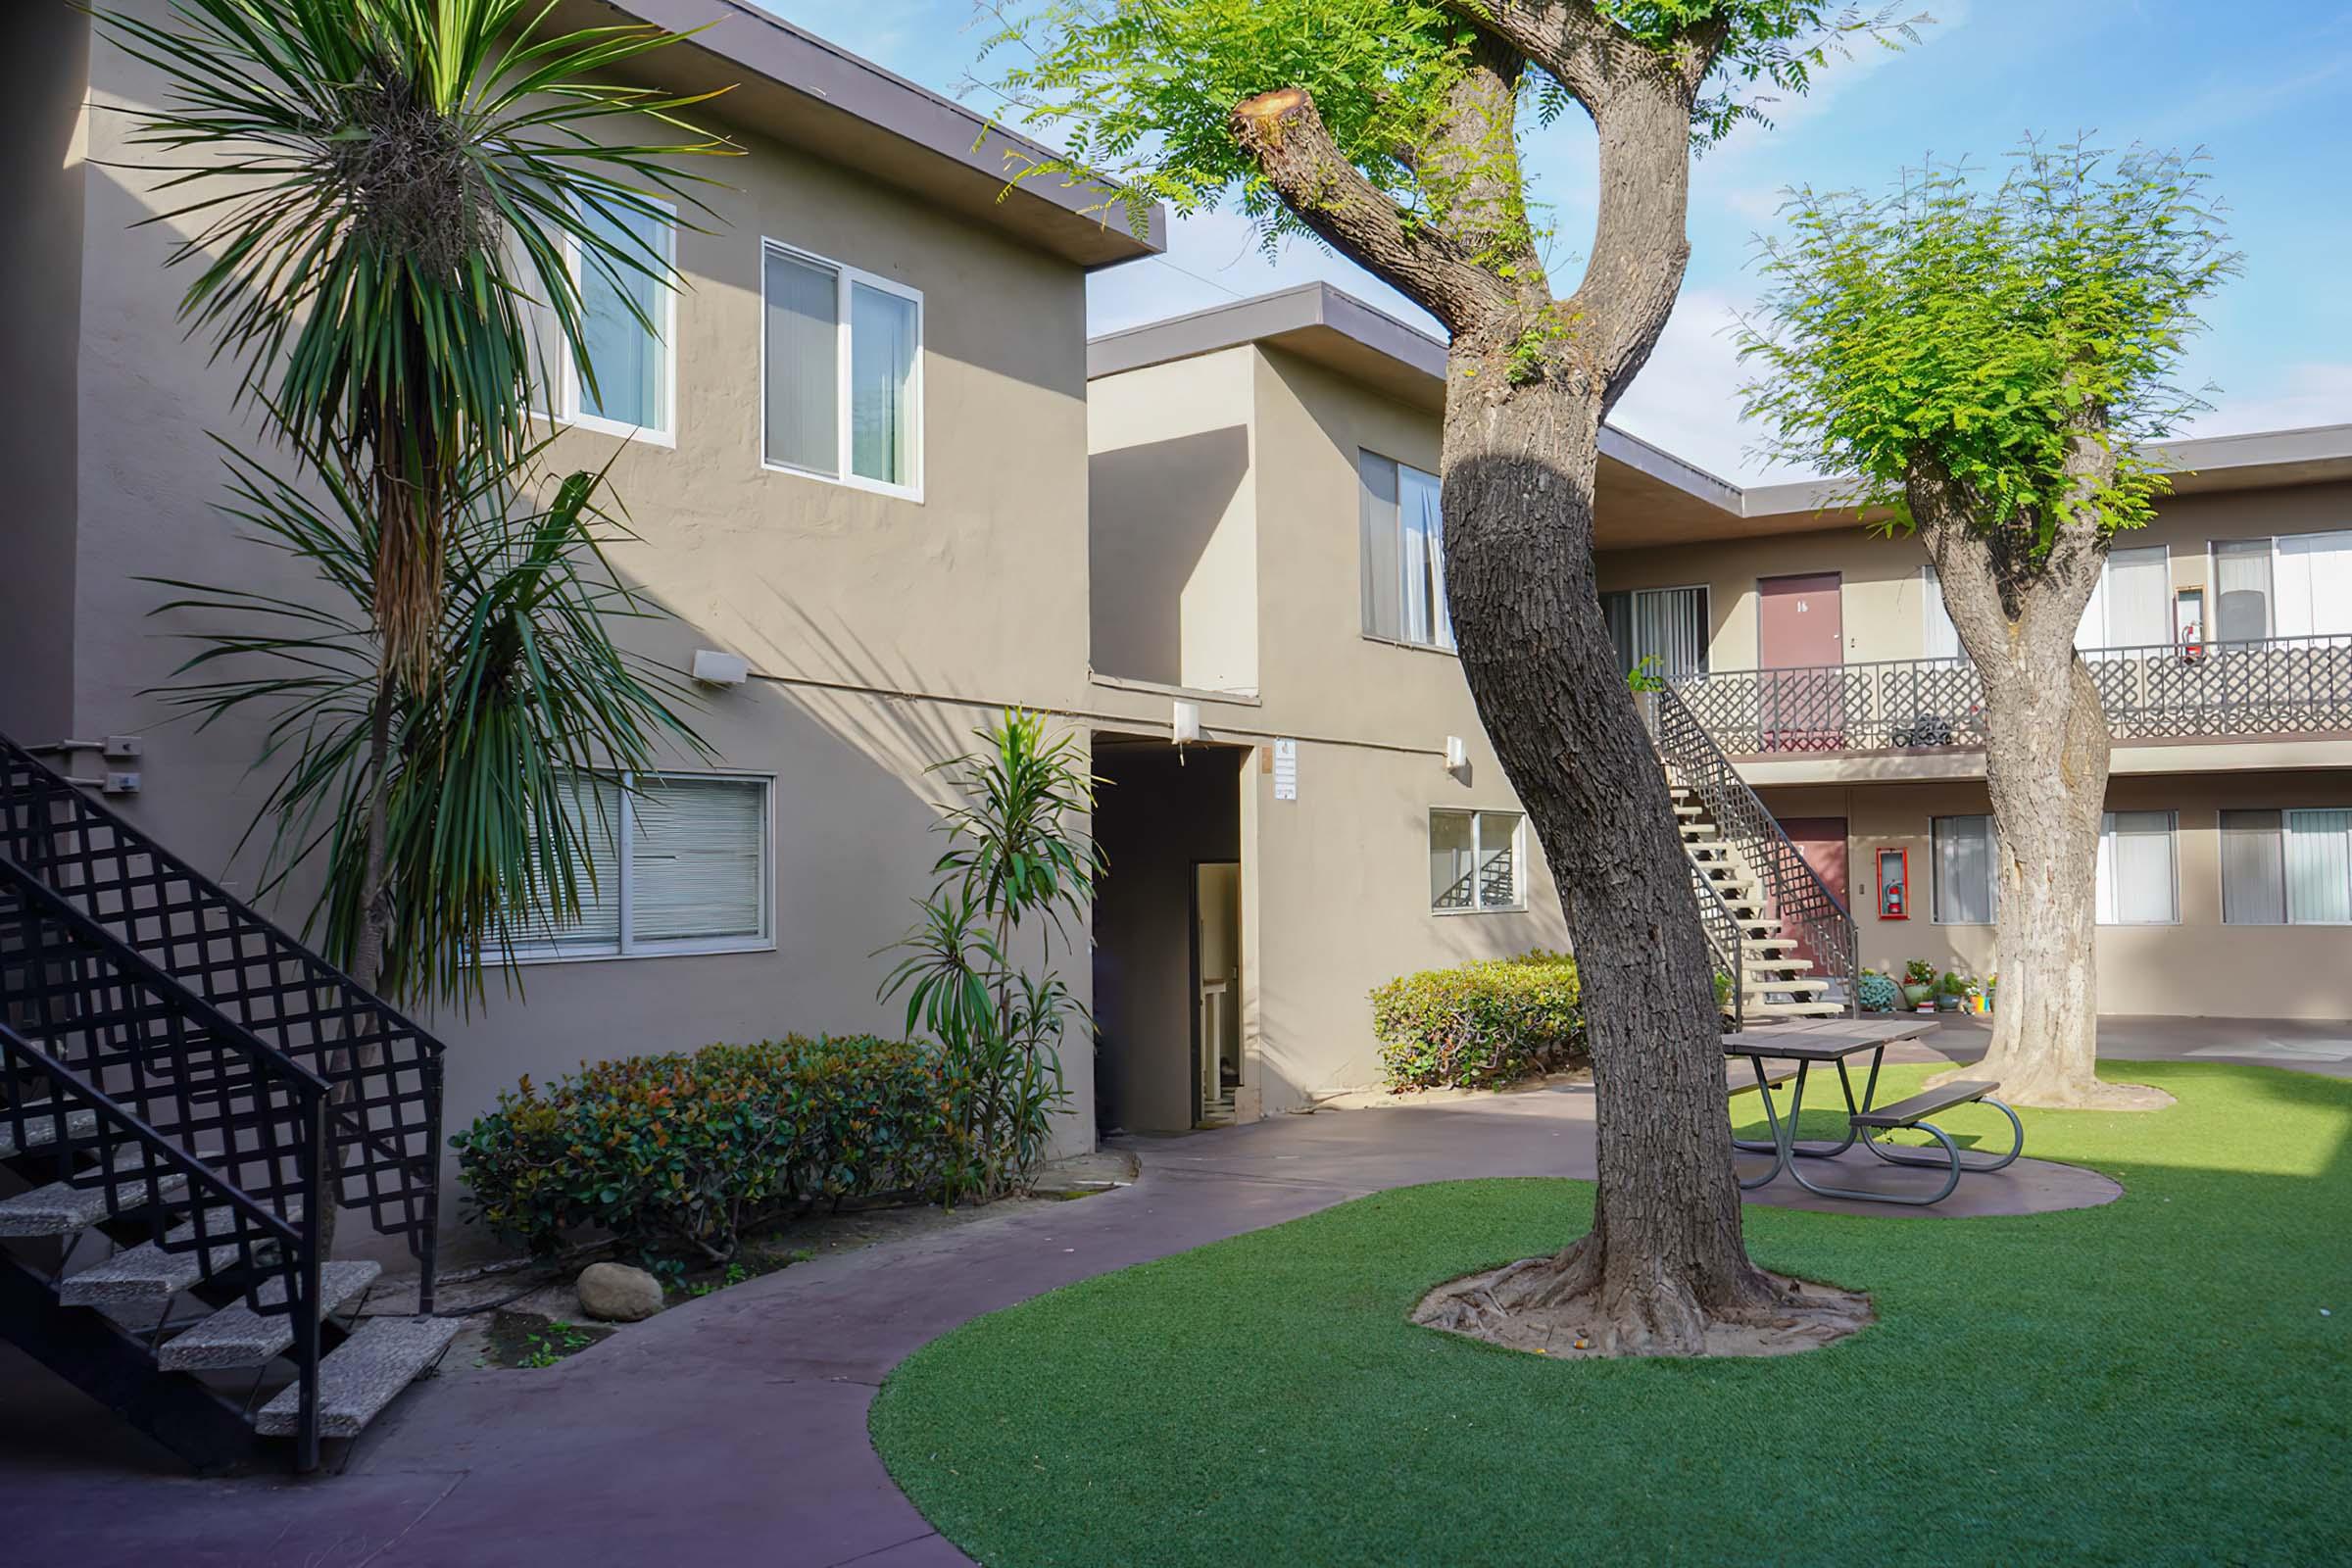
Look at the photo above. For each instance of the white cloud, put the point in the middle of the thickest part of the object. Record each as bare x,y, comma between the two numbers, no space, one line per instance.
2311,393
1686,399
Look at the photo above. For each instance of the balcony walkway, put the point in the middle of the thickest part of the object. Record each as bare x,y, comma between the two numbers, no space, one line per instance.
2278,687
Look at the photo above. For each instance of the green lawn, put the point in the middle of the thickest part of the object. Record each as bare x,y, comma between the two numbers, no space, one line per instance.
2153,1380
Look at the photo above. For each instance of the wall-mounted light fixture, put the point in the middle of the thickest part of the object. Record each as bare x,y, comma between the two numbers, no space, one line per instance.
715,668
1184,726
1458,754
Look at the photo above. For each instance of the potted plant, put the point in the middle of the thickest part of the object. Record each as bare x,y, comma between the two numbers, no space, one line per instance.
1918,985
1878,992
1949,992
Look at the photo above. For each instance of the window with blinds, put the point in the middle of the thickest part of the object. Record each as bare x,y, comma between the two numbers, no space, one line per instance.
1938,637
1474,862
2296,585
677,862
840,373
2137,878
1666,624
1403,554
2286,867
2133,605
1964,882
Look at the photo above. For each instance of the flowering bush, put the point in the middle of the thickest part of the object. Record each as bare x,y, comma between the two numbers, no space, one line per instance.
1481,1024
678,1154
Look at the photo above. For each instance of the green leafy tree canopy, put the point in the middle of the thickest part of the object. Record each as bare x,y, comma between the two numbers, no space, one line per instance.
1977,331
1141,90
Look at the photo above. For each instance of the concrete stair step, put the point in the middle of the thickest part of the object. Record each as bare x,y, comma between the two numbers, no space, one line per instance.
61,1209
1777,965
150,1274
238,1335
1796,990
358,1378
1795,1010
40,1128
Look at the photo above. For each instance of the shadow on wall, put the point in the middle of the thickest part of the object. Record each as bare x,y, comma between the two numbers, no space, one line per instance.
1154,509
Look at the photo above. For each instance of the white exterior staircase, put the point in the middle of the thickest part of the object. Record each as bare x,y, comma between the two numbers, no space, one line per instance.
1774,983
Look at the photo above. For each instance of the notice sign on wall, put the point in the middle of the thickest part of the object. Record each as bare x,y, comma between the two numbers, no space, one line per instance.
1286,770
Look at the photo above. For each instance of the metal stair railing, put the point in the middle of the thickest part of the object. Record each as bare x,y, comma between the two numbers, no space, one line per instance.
186,1110
1807,911
384,1073
1723,937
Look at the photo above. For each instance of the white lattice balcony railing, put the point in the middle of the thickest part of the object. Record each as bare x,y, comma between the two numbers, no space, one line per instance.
2273,687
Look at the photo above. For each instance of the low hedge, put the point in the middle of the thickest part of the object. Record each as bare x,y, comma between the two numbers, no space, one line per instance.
1482,1024
678,1154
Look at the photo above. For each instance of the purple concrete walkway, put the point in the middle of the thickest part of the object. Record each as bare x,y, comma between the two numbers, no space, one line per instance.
732,1430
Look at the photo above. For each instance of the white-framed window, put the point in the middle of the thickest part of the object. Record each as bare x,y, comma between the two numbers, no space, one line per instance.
1665,625
677,863
1938,637
2133,605
841,373
635,366
1475,862
1965,886
2295,585
2139,875
1403,554
2290,868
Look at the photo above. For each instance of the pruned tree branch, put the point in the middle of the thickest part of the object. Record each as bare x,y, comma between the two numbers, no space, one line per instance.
1295,152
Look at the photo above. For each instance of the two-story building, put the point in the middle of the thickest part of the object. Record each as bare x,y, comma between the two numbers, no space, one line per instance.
1817,654
854,457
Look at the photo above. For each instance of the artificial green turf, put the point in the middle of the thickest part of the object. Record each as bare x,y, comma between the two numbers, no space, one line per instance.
2151,1381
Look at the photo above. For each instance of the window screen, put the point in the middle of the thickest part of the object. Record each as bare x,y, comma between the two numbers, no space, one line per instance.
1964,883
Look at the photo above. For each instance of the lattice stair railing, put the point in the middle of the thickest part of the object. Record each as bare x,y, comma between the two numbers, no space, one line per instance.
1795,897
384,1073
124,1082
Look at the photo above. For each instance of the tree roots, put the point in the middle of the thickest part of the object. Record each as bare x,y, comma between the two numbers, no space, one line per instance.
1566,1304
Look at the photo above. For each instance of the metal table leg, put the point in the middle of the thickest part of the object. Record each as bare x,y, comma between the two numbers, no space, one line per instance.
1772,1119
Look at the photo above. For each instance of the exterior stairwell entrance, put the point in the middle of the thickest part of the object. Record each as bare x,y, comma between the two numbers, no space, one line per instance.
184,1092
1784,938
1169,985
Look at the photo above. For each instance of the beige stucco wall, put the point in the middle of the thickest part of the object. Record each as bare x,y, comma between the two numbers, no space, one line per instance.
1883,599
2198,968
1336,881
1174,535
880,630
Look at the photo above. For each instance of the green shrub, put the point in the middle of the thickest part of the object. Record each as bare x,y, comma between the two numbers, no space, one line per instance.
677,1155
1482,1024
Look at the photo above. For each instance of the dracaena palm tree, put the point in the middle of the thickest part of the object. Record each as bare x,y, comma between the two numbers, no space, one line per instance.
378,198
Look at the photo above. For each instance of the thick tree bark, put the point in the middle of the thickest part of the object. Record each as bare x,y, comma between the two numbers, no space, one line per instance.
1529,379
2046,754
1665,1255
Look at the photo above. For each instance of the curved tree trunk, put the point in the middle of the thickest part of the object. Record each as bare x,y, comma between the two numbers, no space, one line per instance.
2046,751
1665,1253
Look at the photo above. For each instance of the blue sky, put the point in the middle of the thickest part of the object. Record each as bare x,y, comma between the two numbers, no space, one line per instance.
2264,86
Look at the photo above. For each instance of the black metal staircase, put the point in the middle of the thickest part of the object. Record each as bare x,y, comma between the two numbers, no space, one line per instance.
182,1079
1786,939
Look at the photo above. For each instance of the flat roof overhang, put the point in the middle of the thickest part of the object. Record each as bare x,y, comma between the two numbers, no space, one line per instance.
1644,496
796,89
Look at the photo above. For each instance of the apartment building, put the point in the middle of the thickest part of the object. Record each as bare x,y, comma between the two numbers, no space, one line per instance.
855,459
1818,655
1266,582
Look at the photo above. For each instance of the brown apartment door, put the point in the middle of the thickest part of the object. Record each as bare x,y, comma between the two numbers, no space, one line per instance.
1821,841
1800,637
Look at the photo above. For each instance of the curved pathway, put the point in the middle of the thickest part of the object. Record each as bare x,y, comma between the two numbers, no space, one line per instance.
732,1429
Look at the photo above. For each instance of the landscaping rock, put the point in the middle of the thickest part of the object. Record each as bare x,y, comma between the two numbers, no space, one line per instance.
618,1294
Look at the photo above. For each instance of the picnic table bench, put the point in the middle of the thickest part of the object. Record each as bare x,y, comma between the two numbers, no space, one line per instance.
1767,1054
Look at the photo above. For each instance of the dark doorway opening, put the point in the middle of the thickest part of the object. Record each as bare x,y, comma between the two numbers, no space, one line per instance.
1168,940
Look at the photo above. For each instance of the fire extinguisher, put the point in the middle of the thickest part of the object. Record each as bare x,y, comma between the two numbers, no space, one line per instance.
2192,643
1894,902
